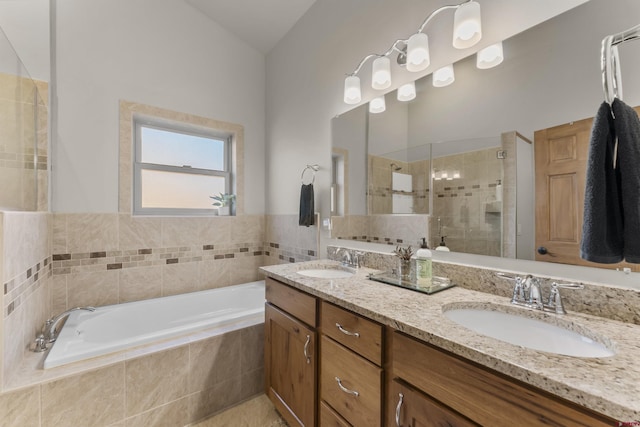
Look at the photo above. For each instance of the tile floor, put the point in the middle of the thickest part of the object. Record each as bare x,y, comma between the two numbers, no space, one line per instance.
257,412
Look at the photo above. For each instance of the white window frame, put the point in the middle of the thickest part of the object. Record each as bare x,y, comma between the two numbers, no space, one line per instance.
139,166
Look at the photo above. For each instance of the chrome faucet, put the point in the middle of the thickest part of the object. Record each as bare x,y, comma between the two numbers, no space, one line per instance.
349,258
527,292
49,330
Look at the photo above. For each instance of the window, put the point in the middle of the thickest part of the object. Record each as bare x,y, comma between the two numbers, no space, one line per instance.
178,167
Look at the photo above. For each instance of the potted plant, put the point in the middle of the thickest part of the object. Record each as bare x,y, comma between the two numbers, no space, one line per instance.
223,202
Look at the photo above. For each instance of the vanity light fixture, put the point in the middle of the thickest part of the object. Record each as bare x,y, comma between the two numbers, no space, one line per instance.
377,105
467,27
443,76
490,56
407,92
352,93
381,78
414,51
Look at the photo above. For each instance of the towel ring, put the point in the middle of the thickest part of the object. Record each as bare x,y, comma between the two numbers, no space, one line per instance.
314,169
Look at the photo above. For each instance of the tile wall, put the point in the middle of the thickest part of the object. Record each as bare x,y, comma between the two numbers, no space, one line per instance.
101,259
286,241
23,128
26,280
173,387
466,209
380,193
52,262
389,229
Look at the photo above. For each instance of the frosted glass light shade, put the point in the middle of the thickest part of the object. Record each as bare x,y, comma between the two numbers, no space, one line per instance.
381,77
490,56
377,105
443,76
467,27
352,93
407,92
418,52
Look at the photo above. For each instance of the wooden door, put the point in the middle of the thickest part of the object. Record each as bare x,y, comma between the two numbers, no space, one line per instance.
560,175
290,367
408,407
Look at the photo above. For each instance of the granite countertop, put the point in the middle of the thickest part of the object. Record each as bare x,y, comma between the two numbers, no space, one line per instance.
608,385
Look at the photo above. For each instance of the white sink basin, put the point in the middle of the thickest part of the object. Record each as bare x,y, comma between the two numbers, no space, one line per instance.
526,332
326,273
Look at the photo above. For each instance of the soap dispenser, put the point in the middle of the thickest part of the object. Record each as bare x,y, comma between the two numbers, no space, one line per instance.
423,267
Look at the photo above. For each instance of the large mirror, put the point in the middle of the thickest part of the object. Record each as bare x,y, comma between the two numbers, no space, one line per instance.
474,139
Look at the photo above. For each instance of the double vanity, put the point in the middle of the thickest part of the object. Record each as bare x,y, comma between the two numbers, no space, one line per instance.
343,350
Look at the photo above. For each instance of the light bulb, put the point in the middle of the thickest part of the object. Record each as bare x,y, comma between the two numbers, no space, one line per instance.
381,77
407,92
467,26
377,105
352,93
490,56
418,52
443,76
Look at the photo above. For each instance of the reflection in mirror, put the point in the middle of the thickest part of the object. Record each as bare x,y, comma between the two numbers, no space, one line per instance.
23,135
550,76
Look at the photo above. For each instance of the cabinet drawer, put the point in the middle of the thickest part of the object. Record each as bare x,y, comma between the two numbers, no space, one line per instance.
409,407
486,397
353,331
291,300
330,418
356,375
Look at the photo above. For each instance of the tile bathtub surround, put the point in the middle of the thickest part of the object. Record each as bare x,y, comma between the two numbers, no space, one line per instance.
615,303
25,266
101,259
176,386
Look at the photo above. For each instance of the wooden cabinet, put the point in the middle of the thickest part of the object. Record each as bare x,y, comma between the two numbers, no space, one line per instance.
351,376
408,407
291,354
352,371
484,396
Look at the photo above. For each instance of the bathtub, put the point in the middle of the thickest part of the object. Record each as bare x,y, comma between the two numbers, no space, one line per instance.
122,326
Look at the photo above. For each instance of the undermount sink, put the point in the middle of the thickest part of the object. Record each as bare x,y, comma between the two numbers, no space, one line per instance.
326,273
527,332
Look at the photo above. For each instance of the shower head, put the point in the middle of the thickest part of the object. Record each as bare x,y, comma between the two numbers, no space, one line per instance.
395,167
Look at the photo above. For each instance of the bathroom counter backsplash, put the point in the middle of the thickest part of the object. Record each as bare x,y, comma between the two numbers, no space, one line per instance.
608,385
612,302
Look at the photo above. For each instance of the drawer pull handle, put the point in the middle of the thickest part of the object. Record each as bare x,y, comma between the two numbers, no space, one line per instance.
346,390
306,349
344,331
398,409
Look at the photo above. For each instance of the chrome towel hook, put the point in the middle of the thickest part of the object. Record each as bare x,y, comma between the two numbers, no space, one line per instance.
313,169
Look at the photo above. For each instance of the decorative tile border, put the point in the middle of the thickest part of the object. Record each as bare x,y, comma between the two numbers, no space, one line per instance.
20,287
115,260
289,253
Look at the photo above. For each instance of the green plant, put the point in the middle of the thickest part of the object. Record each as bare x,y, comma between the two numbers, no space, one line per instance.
403,253
223,199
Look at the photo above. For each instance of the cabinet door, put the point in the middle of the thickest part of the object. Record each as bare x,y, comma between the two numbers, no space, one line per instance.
290,367
410,408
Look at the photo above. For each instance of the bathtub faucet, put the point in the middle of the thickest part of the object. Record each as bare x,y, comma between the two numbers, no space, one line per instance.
49,331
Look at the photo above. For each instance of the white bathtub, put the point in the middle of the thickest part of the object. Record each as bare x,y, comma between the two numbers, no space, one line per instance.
118,327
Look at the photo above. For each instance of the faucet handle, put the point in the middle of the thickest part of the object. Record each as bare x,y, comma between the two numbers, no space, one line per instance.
555,300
